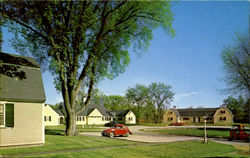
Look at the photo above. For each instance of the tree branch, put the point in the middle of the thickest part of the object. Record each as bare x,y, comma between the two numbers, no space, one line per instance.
26,26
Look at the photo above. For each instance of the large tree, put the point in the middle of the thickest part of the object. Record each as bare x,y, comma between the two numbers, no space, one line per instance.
137,97
82,42
159,95
236,60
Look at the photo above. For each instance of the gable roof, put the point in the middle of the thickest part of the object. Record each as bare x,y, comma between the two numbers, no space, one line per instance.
195,112
119,112
91,107
20,79
59,112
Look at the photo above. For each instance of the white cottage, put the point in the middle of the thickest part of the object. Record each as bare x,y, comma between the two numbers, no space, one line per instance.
22,100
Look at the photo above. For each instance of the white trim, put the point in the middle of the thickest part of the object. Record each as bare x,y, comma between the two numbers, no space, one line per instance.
4,114
4,104
43,124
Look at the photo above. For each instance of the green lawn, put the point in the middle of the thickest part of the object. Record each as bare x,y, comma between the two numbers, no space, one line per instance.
61,142
194,132
80,128
153,124
177,149
56,141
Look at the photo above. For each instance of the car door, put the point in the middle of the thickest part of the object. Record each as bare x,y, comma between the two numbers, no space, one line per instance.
118,130
124,130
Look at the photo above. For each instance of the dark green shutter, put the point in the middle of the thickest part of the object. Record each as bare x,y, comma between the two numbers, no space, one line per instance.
9,115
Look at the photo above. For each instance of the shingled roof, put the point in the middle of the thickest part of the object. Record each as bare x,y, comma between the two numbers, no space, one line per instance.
91,107
120,112
59,112
20,79
196,112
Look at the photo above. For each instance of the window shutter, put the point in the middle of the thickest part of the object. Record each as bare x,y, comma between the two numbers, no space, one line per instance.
9,117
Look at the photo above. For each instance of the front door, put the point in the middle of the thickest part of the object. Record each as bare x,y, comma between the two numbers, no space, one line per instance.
194,119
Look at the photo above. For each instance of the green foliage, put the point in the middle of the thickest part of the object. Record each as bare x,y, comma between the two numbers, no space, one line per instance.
83,42
116,102
151,101
159,96
239,108
137,97
236,60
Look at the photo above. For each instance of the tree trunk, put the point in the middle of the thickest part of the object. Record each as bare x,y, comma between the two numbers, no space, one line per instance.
71,125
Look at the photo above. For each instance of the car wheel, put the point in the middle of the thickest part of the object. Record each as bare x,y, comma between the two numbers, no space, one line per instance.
127,134
111,134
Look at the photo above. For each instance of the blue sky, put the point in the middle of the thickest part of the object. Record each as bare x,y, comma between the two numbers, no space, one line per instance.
189,62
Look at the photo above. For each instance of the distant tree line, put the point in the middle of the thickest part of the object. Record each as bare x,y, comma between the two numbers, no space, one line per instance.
239,108
147,102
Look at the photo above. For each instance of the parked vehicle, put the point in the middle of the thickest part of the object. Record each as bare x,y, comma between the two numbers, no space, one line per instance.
117,130
239,132
177,123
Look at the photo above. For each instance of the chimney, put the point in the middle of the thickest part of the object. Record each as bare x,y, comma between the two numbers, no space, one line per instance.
175,107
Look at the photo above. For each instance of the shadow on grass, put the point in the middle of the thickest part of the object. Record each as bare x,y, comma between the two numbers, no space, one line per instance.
54,132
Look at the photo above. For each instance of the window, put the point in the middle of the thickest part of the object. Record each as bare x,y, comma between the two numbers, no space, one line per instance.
170,119
1,114
7,115
223,118
50,118
222,111
169,113
79,118
45,118
185,118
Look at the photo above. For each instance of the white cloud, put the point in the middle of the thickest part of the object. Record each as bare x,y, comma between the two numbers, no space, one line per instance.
182,95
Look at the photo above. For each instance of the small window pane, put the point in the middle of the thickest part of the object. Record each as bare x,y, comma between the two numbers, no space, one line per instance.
9,115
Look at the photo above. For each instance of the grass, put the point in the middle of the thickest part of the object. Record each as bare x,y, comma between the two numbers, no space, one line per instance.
176,149
80,128
153,124
212,133
56,141
61,142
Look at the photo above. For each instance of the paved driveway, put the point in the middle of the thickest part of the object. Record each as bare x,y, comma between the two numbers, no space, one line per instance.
147,136
156,137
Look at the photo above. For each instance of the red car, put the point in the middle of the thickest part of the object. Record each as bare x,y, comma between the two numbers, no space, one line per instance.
117,130
177,124
239,132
